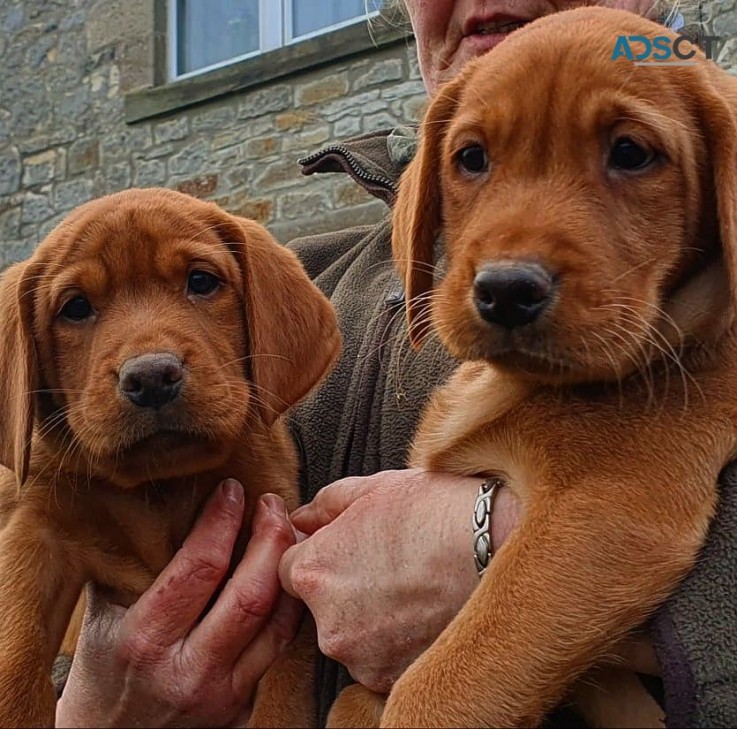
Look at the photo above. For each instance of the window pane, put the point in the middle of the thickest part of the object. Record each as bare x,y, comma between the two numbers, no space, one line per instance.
211,31
309,15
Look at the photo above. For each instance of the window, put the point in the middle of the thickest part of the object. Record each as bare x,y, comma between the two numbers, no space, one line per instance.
206,34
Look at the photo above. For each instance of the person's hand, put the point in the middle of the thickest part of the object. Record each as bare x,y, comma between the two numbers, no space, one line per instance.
160,662
388,565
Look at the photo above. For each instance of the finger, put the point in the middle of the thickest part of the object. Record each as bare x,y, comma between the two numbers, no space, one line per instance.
290,567
264,649
330,502
166,612
247,601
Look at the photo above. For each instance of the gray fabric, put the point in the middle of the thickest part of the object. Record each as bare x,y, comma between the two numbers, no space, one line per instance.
362,418
696,631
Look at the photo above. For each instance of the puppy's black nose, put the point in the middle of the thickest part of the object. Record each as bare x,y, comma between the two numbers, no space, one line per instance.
512,294
151,380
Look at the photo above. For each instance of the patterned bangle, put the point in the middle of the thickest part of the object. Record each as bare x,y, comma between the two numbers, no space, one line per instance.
483,549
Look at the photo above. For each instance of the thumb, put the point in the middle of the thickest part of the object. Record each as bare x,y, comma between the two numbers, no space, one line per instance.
330,502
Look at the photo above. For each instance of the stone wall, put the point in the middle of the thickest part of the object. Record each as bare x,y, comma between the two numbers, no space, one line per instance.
63,138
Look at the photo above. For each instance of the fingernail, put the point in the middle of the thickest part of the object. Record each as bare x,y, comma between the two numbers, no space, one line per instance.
275,504
233,491
298,511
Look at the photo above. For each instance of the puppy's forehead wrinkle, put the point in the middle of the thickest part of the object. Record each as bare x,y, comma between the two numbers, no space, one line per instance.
100,256
529,81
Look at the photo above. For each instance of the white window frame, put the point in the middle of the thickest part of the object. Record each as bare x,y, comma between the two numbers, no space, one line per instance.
275,23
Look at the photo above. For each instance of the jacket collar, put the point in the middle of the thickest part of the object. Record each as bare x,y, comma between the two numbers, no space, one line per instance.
375,161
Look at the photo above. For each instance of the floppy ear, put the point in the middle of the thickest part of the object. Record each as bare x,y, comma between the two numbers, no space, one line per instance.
417,215
18,369
293,332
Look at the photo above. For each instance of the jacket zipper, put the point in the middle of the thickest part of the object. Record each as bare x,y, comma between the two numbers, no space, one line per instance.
356,168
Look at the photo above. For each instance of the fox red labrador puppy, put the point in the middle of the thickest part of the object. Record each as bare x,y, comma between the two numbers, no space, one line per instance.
588,209
150,345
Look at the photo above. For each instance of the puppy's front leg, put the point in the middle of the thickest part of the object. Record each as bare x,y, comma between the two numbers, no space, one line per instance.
40,586
579,572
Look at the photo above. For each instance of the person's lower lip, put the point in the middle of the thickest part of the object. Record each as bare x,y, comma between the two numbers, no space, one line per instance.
479,43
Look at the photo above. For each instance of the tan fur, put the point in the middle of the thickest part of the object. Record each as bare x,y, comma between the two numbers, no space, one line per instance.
356,707
612,415
105,491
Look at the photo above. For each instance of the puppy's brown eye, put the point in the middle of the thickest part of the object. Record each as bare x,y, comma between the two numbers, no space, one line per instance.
472,159
626,154
202,283
77,309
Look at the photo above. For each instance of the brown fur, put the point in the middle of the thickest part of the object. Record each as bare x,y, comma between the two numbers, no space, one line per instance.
612,415
101,490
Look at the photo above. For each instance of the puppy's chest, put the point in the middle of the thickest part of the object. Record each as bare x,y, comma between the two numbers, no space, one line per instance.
122,539
546,437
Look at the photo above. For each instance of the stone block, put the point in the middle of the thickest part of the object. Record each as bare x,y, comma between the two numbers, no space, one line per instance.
213,119
265,101
161,150
381,72
307,140
347,193
110,21
43,167
234,176
190,160
295,205
149,173
367,214
261,147
37,207
119,143
201,187
348,126
329,86
171,130
279,174
295,119
367,102
73,105
399,91
84,154
58,135
10,170
10,224
241,203
118,177
241,132
376,122
68,195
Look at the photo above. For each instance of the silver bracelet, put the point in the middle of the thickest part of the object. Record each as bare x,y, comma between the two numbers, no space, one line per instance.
482,545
